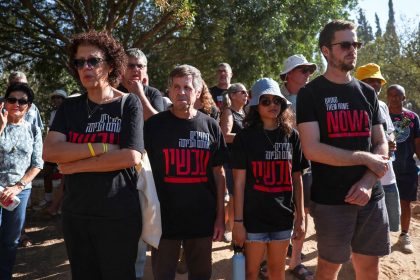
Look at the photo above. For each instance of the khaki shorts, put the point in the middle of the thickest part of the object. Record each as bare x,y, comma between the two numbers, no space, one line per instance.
343,229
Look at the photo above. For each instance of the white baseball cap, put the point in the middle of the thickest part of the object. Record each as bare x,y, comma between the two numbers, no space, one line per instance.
294,61
59,92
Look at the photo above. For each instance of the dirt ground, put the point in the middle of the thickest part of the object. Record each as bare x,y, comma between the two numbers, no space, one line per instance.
47,259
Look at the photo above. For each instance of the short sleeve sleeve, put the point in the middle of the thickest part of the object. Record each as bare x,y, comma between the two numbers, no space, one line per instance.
238,151
132,125
305,110
299,162
220,152
36,158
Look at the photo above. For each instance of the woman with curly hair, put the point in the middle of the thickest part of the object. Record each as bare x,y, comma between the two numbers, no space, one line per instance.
205,103
267,165
97,139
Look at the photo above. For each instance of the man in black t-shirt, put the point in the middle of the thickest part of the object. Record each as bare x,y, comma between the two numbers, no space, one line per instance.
135,80
342,134
187,151
224,75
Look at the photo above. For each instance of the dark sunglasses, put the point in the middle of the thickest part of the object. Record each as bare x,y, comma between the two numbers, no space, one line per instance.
346,45
13,100
267,102
91,62
305,70
133,66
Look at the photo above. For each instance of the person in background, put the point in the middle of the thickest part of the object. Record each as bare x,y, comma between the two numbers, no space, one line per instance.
268,182
20,162
205,103
50,169
295,75
347,161
136,80
33,115
187,152
407,130
371,74
231,123
97,139
223,75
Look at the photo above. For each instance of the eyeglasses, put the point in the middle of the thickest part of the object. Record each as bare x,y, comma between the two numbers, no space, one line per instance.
13,100
345,45
133,66
244,92
267,102
305,70
91,62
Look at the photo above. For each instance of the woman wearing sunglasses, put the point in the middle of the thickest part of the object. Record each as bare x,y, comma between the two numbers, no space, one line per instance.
231,123
267,166
20,162
97,139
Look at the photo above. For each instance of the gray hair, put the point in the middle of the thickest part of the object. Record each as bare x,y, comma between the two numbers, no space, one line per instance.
187,70
226,65
397,88
137,53
17,75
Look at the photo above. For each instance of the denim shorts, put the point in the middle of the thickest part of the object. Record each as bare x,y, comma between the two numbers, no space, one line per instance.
266,237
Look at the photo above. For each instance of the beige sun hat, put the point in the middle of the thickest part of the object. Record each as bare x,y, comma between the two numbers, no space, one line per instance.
294,61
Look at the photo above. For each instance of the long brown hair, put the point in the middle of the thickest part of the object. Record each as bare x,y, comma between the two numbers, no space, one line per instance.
285,119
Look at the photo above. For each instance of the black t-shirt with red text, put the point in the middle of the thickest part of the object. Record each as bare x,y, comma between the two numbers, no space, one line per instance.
110,194
269,158
182,154
345,114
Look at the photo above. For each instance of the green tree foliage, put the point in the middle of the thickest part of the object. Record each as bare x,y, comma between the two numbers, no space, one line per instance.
364,30
254,36
392,48
378,32
402,68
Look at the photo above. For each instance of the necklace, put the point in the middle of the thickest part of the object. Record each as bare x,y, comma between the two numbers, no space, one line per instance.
97,106
269,140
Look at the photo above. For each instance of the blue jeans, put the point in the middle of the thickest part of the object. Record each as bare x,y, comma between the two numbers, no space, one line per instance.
141,258
11,224
392,201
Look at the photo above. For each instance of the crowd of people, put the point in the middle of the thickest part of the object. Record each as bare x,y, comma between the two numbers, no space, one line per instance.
243,166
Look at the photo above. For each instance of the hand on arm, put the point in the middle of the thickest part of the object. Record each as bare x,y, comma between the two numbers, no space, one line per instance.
57,149
361,191
219,224
111,161
239,232
314,150
299,222
136,87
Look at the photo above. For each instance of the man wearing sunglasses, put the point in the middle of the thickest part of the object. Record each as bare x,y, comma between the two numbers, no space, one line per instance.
135,80
341,132
295,75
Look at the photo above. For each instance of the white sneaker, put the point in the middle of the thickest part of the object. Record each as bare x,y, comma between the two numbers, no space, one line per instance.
405,242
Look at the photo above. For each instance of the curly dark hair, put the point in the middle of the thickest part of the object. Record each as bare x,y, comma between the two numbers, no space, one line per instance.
112,49
206,99
285,119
